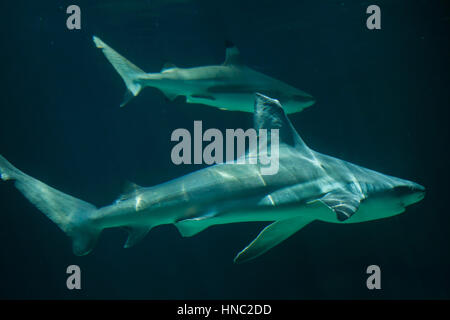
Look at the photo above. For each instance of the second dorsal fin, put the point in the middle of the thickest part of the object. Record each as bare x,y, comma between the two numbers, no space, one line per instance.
130,187
129,191
232,55
168,66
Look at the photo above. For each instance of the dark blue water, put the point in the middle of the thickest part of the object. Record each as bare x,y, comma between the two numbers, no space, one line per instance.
382,102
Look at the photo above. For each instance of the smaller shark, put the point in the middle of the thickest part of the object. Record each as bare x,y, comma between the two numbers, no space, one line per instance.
230,86
308,186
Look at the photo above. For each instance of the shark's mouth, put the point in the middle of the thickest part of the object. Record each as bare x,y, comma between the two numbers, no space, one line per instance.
410,194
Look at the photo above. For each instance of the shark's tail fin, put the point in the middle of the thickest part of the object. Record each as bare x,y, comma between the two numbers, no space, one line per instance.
72,215
130,73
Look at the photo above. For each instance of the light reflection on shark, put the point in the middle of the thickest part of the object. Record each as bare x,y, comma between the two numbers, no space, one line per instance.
230,86
309,186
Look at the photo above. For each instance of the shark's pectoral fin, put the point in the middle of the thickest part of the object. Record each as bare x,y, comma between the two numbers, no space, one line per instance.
135,235
271,236
343,203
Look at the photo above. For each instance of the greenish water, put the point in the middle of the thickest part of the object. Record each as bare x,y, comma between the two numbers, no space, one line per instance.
382,102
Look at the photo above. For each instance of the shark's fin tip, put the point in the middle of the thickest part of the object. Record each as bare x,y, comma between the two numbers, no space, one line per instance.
98,42
229,44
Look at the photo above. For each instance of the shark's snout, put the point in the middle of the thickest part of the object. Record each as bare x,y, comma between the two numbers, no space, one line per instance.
305,99
411,193
418,191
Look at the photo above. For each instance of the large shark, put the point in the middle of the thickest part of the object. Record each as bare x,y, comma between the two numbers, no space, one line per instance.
230,86
309,186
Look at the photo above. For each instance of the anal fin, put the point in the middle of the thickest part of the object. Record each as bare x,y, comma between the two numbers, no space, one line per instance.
135,235
271,236
171,96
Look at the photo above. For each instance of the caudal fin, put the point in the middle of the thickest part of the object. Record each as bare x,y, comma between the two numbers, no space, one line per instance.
72,215
130,73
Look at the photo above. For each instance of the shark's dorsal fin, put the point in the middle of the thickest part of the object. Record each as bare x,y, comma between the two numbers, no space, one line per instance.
270,236
269,114
130,187
168,66
232,55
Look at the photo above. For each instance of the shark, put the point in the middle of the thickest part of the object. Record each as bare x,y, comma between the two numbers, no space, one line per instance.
230,86
309,186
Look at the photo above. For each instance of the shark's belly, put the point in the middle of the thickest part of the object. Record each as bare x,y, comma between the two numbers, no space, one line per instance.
234,90
239,101
370,209
376,208
270,213
225,101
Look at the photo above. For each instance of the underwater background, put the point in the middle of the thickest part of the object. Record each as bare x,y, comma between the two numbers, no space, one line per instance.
382,103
